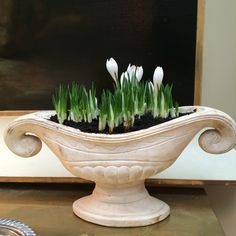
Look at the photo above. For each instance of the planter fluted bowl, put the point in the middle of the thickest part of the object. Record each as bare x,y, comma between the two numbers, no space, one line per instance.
120,163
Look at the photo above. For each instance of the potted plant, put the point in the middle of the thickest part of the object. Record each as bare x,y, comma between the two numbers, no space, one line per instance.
120,162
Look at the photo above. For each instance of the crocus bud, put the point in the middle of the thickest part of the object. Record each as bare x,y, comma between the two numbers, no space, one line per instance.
131,70
158,77
112,68
139,72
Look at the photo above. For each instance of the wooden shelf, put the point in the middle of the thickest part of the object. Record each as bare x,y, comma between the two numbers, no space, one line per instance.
47,208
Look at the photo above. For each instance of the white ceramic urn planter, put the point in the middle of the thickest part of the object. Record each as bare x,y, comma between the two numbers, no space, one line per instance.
120,163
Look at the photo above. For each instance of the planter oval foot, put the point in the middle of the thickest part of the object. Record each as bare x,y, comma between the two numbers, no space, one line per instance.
121,206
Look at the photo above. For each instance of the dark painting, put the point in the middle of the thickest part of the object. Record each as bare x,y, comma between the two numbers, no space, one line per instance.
45,42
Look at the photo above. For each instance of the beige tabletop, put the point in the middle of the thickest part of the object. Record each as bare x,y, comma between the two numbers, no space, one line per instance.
47,209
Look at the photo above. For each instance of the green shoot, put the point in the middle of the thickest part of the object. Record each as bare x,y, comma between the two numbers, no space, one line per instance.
59,100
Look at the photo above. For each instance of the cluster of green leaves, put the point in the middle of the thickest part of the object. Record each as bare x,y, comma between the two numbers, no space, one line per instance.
83,103
163,105
131,99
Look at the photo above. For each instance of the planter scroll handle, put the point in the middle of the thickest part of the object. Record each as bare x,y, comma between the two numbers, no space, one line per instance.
20,140
220,139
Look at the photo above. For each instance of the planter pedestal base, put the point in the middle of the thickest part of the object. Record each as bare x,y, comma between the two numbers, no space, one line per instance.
117,205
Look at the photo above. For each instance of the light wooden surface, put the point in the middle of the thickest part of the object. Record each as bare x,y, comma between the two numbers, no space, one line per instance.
199,52
15,113
149,182
47,210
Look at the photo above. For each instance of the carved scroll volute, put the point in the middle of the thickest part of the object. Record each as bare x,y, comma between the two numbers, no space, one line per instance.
20,140
220,139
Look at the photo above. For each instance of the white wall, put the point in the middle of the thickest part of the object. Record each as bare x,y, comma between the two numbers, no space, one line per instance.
219,56
219,90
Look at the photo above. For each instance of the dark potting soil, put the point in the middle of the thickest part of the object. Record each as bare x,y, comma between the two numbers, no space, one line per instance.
143,122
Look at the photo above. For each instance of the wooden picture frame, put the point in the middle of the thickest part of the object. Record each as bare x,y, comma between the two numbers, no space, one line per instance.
197,99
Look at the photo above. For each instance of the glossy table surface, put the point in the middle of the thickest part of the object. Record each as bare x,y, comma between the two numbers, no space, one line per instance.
47,209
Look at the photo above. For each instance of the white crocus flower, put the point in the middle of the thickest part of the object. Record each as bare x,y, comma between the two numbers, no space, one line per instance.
135,70
112,68
158,77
